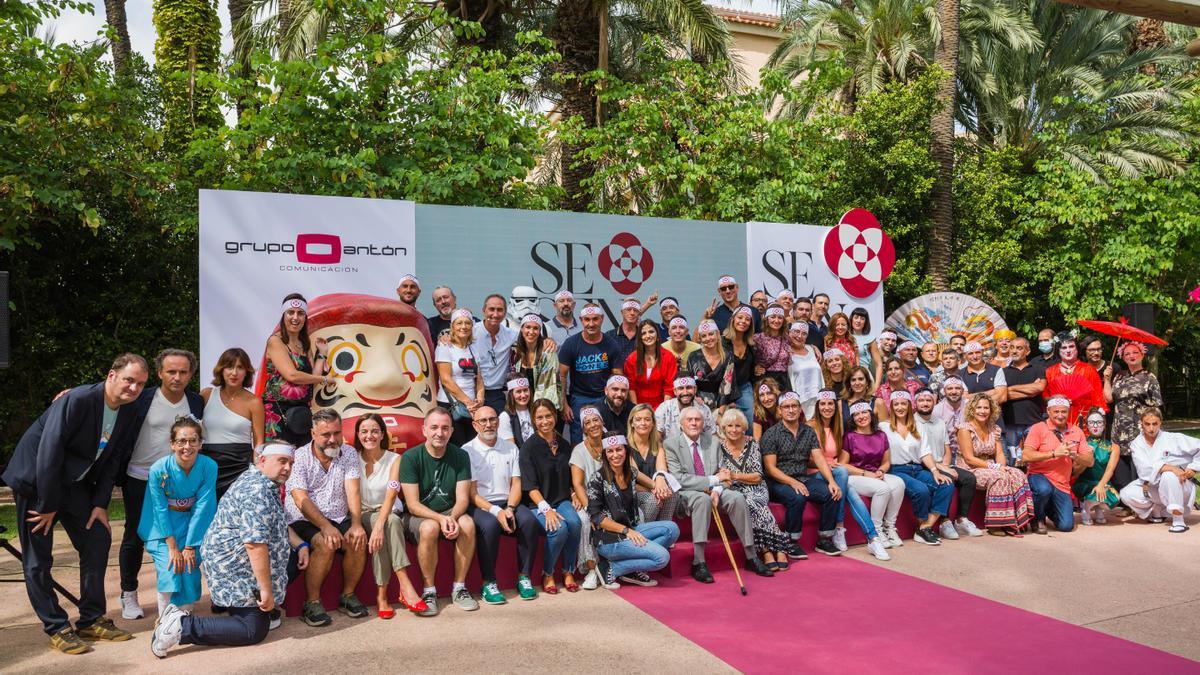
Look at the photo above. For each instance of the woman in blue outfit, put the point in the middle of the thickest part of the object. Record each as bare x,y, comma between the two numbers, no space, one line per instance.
181,500
546,480
628,548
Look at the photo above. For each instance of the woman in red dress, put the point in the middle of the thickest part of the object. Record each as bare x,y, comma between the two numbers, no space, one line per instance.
1074,379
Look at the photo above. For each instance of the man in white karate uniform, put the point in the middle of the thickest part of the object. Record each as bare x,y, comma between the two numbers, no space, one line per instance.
1165,462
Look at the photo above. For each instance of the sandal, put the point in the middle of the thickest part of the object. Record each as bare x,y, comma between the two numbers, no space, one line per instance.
548,586
570,585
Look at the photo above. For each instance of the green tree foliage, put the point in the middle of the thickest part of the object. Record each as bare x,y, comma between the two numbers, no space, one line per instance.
187,55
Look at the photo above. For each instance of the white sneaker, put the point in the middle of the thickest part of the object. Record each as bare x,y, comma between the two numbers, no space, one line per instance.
894,536
592,581
130,609
839,538
882,531
276,619
947,530
168,630
965,526
875,546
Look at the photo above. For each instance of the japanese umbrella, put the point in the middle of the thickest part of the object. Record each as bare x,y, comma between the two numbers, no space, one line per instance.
1122,331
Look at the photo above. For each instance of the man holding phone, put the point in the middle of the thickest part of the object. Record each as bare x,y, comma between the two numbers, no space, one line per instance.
1052,451
244,559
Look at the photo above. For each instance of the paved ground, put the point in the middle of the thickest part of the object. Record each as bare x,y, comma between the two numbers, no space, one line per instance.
1131,580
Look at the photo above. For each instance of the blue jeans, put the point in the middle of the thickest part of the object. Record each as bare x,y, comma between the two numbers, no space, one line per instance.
578,402
794,503
858,509
1014,436
563,541
926,494
240,627
745,403
626,557
1050,501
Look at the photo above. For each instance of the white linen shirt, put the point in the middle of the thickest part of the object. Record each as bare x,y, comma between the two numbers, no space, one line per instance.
493,468
904,450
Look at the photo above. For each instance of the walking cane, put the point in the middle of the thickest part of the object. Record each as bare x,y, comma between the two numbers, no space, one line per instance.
729,551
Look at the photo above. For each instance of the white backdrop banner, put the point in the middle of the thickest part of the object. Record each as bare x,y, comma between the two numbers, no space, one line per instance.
255,248
780,256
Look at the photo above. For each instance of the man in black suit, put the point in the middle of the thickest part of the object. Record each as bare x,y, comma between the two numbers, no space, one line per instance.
63,471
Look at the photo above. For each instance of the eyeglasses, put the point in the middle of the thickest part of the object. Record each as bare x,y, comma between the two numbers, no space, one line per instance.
730,287
194,442
484,421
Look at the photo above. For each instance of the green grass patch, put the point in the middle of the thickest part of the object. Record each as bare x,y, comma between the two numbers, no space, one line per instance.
8,517
1194,433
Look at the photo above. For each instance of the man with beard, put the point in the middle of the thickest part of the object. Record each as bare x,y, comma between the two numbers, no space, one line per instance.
409,289
325,510
615,409
1053,451
948,369
586,361
563,324
951,409
934,432
445,302
667,415
244,559
983,377
910,358
758,300
1024,407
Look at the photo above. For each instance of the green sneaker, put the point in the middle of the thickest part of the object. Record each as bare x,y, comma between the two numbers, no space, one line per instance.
525,588
491,594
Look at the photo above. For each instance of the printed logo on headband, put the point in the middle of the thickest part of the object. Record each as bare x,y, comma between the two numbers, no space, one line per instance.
789,396
888,334
613,442
972,347
827,395
901,395
953,382
785,293
861,406
519,383
531,318
617,381
743,310
678,321
708,326
564,295
725,280
926,393
591,311
460,314
681,382
801,326
763,388
667,302
590,411
774,311
1058,402
834,352
268,449
907,344
295,303
630,304
409,277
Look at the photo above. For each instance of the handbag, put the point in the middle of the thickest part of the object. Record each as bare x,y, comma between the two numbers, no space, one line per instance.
459,412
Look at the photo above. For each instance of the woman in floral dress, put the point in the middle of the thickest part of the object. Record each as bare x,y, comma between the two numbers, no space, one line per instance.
293,366
1009,500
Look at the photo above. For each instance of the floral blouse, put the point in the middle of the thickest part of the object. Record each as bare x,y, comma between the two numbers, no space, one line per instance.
1130,394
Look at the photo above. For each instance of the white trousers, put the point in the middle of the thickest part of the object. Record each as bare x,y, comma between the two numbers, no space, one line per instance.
886,494
1171,494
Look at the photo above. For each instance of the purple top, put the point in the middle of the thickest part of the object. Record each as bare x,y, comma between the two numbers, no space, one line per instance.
866,450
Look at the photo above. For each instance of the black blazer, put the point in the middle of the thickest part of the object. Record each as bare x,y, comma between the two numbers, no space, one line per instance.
62,444
141,408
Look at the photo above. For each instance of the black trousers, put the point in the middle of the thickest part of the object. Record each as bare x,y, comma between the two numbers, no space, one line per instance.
240,627
494,399
1124,474
487,538
93,545
964,481
132,547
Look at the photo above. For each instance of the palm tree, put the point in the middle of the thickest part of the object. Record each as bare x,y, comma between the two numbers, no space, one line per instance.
114,16
937,264
1082,97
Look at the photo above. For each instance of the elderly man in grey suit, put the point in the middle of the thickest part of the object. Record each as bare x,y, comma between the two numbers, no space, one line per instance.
694,458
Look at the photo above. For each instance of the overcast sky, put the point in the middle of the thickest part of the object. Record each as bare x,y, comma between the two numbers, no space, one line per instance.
75,26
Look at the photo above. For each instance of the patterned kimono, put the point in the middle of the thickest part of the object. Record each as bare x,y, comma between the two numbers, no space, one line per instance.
179,505
1130,394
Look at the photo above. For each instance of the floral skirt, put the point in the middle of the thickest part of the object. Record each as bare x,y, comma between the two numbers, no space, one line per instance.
1009,499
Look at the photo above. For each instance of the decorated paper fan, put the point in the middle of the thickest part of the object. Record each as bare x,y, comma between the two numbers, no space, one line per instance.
937,317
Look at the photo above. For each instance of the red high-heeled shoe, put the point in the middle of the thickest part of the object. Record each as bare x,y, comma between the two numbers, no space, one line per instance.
387,613
417,607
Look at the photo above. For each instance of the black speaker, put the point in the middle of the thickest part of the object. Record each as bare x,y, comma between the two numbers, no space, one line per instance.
1140,315
4,351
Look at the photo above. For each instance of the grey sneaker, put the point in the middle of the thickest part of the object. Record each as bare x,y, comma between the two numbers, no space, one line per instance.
431,606
462,599
948,531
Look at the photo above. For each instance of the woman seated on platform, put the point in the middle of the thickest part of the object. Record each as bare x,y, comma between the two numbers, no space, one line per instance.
546,481
1009,500
766,398
740,454
586,459
655,497
379,489
181,500
866,455
1092,487
628,547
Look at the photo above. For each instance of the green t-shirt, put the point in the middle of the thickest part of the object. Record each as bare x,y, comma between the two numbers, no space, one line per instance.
435,478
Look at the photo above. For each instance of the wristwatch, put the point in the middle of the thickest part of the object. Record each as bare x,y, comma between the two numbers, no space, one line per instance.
626,530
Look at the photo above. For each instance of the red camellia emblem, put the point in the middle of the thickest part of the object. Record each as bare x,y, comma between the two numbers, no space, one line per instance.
859,252
625,263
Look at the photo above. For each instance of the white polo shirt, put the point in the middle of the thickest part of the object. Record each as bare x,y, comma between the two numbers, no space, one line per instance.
493,468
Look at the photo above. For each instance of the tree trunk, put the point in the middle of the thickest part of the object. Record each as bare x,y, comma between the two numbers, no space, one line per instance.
239,27
1150,34
942,132
576,32
114,16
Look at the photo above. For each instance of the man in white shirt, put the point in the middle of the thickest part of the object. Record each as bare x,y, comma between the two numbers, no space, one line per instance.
563,324
666,416
493,344
496,506
154,412
950,411
933,432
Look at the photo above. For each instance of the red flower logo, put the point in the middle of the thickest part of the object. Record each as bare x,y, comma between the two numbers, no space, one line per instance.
859,252
625,263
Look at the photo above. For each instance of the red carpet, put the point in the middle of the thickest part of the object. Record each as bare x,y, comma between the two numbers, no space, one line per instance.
846,616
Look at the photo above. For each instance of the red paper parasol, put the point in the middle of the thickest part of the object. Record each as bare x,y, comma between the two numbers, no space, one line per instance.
1123,330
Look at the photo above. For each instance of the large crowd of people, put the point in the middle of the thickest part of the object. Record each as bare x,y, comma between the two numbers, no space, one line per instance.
586,445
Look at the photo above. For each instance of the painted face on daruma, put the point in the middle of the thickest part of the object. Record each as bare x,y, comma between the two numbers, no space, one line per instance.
379,357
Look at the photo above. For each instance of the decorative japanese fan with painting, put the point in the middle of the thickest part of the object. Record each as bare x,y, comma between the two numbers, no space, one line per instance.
937,317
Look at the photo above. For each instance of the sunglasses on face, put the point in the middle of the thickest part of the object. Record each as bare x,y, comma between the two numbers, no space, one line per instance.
725,288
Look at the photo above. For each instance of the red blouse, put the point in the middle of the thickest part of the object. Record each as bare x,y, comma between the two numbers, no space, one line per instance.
658,384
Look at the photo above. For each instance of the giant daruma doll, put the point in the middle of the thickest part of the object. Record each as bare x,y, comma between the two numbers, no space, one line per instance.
380,359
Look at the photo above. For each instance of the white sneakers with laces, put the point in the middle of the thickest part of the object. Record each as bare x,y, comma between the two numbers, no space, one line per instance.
839,539
130,608
947,530
875,546
965,526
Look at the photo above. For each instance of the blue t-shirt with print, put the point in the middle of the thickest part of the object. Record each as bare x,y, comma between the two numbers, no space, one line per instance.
590,364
